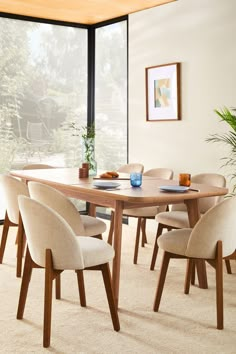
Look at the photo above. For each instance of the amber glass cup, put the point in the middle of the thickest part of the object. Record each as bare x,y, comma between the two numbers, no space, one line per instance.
185,179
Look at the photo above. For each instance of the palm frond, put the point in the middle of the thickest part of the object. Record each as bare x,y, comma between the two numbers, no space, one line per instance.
228,139
227,116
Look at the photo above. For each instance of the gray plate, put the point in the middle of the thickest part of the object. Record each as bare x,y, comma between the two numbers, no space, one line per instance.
174,189
106,185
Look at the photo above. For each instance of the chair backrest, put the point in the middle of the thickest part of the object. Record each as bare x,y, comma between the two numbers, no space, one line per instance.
36,166
164,173
59,202
12,187
131,167
217,224
211,179
46,229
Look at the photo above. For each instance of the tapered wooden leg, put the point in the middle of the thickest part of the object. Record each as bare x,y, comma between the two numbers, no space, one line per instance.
5,230
155,249
137,240
110,235
24,244
201,273
58,287
144,235
193,273
194,216
228,266
117,247
161,282
80,278
20,247
24,285
110,296
48,299
188,276
219,287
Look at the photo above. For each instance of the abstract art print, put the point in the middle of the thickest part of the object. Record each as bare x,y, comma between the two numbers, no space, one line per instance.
163,92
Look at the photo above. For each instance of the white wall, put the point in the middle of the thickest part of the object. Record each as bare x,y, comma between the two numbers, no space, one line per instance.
201,35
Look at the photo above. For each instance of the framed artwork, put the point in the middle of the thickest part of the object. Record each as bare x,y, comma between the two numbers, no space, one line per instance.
163,92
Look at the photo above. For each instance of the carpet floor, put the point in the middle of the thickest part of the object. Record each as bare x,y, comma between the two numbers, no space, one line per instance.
184,324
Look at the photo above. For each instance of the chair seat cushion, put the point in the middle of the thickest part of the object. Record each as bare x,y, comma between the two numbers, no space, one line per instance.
175,241
93,226
147,212
177,219
95,251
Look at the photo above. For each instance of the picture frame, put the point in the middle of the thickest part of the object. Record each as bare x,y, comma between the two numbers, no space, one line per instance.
163,92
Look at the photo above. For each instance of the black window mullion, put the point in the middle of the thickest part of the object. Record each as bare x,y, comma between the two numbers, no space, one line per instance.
91,76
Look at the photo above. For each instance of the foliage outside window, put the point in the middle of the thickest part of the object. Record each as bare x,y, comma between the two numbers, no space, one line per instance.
111,96
43,86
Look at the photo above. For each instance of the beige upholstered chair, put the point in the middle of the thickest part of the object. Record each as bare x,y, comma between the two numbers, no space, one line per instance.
81,224
53,245
131,167
212,239
177,218
12,187
147,212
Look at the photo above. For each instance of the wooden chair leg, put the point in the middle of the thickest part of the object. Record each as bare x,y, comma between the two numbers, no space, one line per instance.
161,282
155,249
48,299
24,285
24,244
58,287
110,296
144,235
80,279
20,247
219,287
193,273
110,235
228,266
137,240
5,230
201,273
190,264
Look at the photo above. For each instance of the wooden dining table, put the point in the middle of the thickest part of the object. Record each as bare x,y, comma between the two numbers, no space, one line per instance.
123,197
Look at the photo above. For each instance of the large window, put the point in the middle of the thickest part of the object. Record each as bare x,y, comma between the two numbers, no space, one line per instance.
44,94
111,95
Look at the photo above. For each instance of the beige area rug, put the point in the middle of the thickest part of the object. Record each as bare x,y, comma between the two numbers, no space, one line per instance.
185,323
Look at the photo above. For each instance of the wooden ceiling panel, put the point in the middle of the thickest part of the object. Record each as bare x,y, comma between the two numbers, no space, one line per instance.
79,11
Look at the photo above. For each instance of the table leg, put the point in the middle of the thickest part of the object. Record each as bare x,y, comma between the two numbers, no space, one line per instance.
117,247
92,210
194,216
193,211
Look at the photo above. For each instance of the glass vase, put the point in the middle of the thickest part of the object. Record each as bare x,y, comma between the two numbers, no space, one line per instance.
88,155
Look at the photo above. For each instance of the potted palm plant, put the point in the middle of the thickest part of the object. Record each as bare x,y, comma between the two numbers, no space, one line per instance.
229,139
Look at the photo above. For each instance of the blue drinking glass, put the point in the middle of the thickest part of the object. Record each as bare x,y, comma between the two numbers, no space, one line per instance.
136,179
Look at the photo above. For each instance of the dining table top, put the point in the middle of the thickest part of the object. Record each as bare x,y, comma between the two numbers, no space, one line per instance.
67,180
